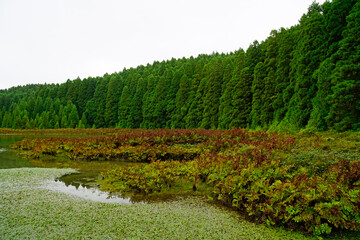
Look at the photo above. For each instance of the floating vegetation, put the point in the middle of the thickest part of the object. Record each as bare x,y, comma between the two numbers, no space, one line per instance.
28,211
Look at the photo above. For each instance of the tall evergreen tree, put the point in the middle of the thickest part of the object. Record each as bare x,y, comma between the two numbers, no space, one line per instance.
194,116
83,121
344,111
124,107
181,107
308,53
191,103
136,111
148,107
241,99
283,90
172,83
159,102
214,78
112,101
73,117
257,90
100,102
228,86
320,106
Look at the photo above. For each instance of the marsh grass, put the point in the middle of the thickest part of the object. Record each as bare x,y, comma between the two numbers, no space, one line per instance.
28,211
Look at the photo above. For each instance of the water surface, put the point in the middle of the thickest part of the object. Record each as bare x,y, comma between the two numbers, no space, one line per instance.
8,158
82,184
85,192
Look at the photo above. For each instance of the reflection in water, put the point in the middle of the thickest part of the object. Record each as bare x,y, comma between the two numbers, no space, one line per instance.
88,193
82,184
8,158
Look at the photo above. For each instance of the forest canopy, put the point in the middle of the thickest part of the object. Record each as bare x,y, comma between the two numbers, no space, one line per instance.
304,77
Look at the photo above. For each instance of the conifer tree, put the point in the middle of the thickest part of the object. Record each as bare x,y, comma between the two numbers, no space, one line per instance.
335,14
254,55
72,92
191,103
7,120
112,101
214,77
286,42
124,107
83,121
45,120
91,112
228,87
172,83
308,54
181,108
64,121
344,111
257,90
159,102
320,106
73,117
148,107
16,116
2,113
194,116
100,102
241,99
136,111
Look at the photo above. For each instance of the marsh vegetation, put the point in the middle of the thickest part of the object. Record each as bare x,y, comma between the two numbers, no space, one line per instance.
306,182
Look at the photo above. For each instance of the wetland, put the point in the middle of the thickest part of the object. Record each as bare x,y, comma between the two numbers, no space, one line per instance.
167,180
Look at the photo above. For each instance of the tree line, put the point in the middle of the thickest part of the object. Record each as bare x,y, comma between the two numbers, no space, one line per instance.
306,76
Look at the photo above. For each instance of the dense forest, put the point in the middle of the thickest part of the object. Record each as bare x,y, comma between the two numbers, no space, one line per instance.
304,77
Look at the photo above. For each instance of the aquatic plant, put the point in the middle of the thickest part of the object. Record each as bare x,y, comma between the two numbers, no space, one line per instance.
306,181
28,211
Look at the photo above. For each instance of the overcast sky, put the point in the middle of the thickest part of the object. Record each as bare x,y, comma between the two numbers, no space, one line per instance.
50,41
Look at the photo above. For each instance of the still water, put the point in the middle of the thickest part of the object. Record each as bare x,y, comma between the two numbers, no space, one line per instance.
82,184
8,159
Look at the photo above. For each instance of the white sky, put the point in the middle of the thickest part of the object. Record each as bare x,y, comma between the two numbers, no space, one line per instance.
55,40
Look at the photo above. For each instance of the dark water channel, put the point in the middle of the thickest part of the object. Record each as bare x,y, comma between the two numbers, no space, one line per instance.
82,184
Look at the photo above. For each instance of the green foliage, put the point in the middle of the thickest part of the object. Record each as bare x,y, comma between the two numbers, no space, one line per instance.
307,56
150,178
211,101
194,117
257,90
309,182
38,213
136,116
344,110
159,103
241,99
181,107
124,107
111,108
303,77
99,102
